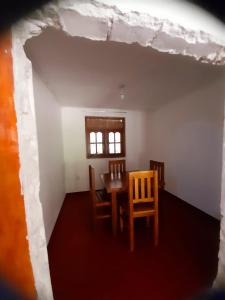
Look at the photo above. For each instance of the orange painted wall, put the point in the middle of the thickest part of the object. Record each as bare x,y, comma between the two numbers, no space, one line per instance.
15,262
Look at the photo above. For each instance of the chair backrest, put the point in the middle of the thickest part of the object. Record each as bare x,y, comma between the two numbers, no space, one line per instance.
92,186
143,187
92,179
117,166
159,166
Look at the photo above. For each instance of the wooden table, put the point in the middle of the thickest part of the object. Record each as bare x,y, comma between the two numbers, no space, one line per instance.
114,184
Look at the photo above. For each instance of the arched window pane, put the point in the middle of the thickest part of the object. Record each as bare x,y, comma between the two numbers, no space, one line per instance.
111,148
99,149
93,148
111,137
99,137
117,137
92,137
118,148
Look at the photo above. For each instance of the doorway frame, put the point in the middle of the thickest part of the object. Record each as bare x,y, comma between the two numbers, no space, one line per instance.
107,23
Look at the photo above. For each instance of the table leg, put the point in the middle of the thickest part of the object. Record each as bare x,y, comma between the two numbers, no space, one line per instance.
114,213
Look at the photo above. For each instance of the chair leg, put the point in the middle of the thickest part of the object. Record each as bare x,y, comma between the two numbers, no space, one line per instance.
148,221
94,217
156,229
131,233
121,220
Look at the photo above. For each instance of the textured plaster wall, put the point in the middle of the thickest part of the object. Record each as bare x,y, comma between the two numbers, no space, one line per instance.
15,264
29,168
220,280
98,21
180,12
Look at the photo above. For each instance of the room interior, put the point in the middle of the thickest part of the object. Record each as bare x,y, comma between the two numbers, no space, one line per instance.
173,106
186,96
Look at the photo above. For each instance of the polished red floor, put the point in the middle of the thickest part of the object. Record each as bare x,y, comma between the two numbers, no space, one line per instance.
94,265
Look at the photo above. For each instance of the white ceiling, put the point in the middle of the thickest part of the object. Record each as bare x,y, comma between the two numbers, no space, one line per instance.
87,73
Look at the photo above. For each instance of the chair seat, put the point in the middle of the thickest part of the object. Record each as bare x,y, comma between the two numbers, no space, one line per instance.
102,198
140,209
144,209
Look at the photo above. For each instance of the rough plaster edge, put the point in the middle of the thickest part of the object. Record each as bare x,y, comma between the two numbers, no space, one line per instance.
29,168
24,101
193,41
220,278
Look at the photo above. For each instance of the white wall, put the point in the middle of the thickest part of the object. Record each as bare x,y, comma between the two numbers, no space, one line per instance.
76,163
187,135
51,164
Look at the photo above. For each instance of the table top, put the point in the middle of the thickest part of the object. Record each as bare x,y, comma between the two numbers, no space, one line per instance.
115,182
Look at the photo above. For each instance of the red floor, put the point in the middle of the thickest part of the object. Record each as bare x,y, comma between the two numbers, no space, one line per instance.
88,265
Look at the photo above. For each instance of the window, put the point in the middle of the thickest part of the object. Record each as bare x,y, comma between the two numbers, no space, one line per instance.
114,142
105,137
96,143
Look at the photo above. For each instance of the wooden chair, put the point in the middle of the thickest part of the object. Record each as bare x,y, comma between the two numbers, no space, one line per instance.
142,202
101,204
158,166
117,166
